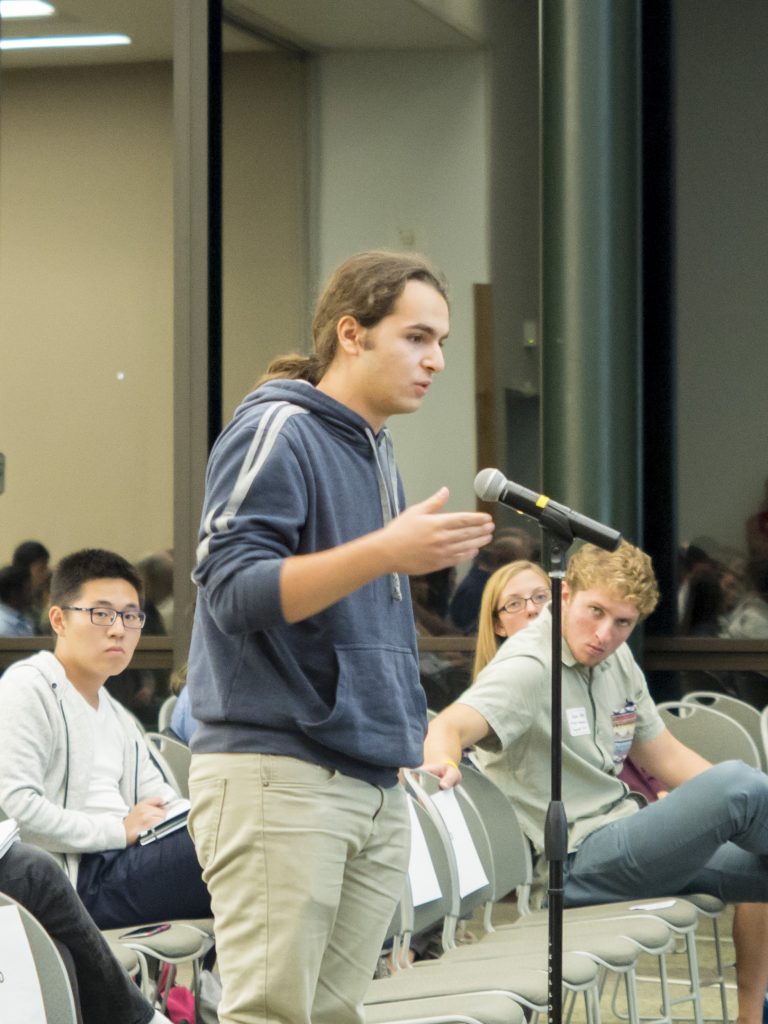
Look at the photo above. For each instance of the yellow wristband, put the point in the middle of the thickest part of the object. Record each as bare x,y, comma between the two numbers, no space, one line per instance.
451,764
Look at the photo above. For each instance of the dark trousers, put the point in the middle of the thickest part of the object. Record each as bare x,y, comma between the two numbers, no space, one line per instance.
158,882
34,879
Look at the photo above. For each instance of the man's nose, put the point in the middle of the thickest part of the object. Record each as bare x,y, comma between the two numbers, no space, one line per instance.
435,359
118,626
603,631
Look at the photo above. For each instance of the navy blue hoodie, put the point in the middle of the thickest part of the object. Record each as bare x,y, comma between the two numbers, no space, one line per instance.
296,472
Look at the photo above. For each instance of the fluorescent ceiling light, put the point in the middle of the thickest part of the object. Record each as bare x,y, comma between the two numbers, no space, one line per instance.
51,42
25,9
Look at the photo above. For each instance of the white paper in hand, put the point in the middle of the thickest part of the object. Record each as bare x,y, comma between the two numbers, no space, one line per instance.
471,873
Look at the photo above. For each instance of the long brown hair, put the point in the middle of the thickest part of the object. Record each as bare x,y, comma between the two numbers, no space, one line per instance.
487,637
365,286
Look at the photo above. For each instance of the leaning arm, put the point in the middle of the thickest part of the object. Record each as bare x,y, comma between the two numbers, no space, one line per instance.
668,760
455,728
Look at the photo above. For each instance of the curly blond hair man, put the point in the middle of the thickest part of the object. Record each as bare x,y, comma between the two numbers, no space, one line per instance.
708,835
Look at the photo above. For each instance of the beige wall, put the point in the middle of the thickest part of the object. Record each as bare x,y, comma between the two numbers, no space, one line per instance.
265,218
402,162
86,286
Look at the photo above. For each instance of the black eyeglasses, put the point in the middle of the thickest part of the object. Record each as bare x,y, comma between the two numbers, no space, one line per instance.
108,616
538,600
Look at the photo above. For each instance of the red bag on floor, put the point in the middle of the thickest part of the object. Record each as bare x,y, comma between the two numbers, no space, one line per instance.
181,1005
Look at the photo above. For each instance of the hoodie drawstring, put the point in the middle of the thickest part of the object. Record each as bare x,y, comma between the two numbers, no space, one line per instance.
390,508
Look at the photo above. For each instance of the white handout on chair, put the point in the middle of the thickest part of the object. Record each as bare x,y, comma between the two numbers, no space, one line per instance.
21,1001
472,876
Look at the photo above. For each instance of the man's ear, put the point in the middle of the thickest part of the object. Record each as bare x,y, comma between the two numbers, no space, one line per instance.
565,592
349,333
56,619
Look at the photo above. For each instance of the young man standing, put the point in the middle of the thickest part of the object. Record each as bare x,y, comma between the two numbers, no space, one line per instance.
303,668
75,772
710,834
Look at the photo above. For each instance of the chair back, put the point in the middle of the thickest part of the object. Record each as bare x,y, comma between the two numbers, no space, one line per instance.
446,908
173,758
511,851
741,712
709,732
58,1001
468,840
165,712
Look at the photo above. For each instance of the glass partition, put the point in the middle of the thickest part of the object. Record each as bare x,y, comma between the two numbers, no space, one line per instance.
86,292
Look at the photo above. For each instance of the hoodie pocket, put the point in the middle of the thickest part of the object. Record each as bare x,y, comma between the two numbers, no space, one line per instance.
379,716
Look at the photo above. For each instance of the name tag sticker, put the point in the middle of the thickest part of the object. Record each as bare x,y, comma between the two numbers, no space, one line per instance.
578,723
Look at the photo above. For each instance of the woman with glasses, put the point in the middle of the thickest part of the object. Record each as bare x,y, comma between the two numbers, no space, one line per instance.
513,596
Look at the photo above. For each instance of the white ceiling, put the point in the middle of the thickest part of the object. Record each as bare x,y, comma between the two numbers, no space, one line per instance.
314,25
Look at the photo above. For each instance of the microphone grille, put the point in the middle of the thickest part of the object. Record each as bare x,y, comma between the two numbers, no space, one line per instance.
489,484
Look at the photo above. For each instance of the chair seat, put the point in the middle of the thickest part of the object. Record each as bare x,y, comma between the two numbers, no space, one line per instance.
177,944
438,979
484,1009
614,950
587,933
127,957
709,905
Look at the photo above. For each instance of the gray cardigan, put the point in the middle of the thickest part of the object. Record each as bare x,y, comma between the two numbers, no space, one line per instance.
46,761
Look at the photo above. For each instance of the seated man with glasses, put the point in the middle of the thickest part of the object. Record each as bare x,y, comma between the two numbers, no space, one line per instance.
75,771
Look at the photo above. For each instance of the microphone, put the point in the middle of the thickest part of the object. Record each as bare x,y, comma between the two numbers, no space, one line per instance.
491,485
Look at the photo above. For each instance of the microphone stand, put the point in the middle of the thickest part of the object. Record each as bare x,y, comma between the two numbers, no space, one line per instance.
557,538
560,526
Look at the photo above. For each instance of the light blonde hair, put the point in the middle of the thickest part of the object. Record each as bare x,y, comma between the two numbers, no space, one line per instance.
627,574
488,639
366,287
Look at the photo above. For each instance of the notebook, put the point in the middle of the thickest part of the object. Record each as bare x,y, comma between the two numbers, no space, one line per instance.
176,818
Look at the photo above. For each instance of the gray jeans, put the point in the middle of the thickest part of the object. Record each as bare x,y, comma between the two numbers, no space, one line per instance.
709,835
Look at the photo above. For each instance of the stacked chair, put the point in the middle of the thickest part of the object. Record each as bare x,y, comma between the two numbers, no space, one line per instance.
172,758
184,942
480,987
715,735
745,714
511,857
58,1000
612,937
512,958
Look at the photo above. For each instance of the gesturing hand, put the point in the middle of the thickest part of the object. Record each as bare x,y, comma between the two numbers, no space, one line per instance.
424,539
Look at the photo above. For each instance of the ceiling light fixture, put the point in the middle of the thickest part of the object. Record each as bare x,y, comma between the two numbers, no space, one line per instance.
25,9
52,42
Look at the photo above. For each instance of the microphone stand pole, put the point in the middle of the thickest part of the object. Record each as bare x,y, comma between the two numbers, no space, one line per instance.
557,538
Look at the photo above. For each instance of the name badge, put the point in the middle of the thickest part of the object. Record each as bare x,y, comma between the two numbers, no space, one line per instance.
578,723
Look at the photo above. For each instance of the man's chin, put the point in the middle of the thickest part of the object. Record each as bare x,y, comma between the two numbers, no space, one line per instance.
591,658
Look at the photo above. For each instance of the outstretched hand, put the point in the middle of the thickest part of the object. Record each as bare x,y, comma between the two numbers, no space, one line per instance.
448,773
423,538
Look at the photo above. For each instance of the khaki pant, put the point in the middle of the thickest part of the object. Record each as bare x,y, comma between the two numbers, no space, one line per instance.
304,867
